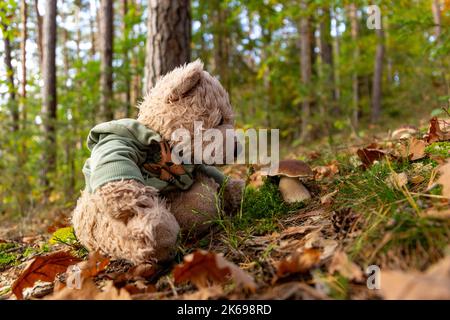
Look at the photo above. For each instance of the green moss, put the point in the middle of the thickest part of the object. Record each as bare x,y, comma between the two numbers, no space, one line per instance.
262,206
440,149
7,258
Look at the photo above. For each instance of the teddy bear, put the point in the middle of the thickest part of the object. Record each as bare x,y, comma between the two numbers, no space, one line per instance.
137,199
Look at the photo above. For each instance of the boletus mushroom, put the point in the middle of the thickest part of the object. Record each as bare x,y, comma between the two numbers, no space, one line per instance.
290,173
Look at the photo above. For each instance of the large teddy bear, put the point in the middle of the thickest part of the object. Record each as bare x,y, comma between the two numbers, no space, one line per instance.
136,199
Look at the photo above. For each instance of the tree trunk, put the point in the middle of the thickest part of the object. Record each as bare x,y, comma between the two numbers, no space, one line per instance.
39,31
305,65
49,92
23,53
436,9
126,59
168,38
106,49
11,86
221,45
326,53
92,22
355,82
378,77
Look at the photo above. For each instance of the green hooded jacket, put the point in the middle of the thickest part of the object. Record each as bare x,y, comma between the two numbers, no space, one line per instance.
119,148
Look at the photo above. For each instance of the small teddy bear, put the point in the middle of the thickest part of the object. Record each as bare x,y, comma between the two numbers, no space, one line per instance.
137,199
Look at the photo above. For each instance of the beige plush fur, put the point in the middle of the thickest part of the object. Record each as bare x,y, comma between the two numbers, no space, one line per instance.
125,219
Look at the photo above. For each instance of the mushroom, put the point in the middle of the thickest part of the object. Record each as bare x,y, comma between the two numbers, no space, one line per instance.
290,173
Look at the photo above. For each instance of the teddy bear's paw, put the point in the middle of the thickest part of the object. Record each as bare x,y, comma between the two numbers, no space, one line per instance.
233,195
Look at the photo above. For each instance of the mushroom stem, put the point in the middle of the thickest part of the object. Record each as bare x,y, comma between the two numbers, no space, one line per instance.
293,190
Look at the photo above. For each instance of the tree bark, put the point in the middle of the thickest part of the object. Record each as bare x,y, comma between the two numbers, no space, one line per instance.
378,77
168,38
221,45
23,53
39,31
126,59
305,65
49,98
106,49
436,9
326,53
355,81
10,76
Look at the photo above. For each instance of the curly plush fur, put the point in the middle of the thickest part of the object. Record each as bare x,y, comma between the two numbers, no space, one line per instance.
128,220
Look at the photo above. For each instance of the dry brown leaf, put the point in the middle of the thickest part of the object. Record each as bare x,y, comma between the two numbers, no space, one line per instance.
444,179
328,171
89,291
433,284
203,267
345,267
436,213
328,198
417,179
300,261
415,149
208,293
397,180
370,154
436,133
43,268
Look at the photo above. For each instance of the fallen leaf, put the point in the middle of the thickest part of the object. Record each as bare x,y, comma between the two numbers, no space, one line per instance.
414,150
90,291
300,261
212,292
328,171
43,268
436,213
432,284
371,154
397,180
436,133
345,267
444,179
328,198
417,179
203,267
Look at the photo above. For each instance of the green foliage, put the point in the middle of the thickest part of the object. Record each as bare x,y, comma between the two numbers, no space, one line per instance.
66,236
440,149
392,215
262,206
7,258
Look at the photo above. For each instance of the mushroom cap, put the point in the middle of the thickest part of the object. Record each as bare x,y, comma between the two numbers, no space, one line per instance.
292,169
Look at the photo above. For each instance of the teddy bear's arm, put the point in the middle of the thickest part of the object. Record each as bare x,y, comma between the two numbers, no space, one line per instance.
233,189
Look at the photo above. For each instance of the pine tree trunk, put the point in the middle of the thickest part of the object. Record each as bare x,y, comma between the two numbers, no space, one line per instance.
106,49
326,53
23,54
126,60
14,110
305,65
355,83
39,31
378,77
221,45
168,38
49,91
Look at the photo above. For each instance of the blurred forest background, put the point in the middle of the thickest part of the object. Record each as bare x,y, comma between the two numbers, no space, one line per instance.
313,69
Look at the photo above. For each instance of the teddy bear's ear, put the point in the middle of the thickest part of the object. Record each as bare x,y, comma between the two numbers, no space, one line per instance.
182,79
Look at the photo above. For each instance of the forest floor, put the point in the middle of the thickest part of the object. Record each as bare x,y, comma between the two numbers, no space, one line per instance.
380,206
